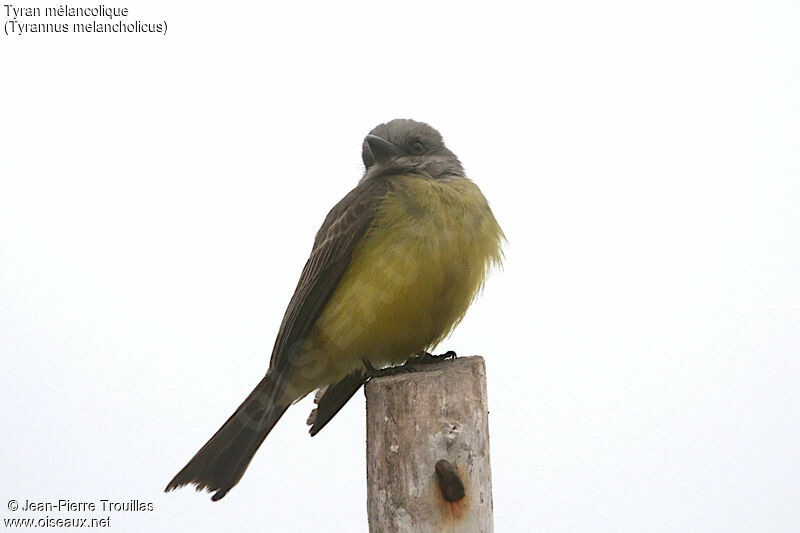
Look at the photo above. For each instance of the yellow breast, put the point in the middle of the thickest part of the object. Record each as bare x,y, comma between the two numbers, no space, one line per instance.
412,276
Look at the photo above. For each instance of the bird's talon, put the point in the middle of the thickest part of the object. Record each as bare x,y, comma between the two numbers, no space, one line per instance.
425,357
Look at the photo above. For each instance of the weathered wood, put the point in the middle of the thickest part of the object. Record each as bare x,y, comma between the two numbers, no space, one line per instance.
414,420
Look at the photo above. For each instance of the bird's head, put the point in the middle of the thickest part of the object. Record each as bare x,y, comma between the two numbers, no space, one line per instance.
408,146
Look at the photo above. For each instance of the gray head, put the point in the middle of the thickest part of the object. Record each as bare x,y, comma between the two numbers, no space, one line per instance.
408,146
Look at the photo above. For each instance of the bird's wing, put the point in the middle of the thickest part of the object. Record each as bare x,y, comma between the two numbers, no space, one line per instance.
333,248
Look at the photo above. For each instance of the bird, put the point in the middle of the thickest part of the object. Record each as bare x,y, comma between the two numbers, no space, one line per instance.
393,269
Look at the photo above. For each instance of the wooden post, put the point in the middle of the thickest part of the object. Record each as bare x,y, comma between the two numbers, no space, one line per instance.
414,420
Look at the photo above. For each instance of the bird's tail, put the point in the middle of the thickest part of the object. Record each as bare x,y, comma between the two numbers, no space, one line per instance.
219,465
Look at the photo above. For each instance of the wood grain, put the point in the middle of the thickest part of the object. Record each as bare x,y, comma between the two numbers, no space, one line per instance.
413,421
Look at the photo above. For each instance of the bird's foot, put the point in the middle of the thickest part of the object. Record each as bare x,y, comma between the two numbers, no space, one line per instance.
421,358
372,372
427,358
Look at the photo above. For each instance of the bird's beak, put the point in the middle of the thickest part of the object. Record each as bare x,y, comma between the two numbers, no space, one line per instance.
380,149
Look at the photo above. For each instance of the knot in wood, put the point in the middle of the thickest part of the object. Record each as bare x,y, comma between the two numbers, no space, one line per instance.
449,481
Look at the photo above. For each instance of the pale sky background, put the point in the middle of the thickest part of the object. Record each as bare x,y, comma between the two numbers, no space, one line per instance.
159,196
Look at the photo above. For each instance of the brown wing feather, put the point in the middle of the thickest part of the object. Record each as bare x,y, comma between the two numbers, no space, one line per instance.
221,462
333,247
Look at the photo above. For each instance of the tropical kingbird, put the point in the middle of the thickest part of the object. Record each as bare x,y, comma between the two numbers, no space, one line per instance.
393,269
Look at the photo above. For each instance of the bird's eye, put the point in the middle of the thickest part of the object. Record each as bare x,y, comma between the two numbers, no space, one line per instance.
417,148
